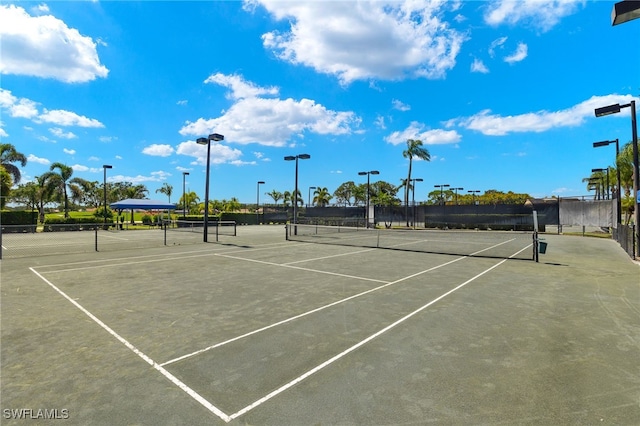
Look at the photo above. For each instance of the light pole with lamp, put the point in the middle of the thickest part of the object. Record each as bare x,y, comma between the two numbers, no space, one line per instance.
184,197
369,173
614,109
413,199
619,188
260,182
309,195
295,195
457,189
207,141
104,184
446,185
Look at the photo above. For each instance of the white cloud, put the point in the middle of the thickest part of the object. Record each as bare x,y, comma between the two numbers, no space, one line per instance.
519,55
496,125
3,133
155,177
428,137
33,159
93,158
479,66
18,108
81,168
220,154
400,106
118,157
541,14
158,150
495,44
61,134
272,122
67,118
367,39
182,102
44,46
240,88
69,151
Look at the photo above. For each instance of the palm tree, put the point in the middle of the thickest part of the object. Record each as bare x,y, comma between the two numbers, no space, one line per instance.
414,149
5,186
321,196
166,190
276,195
191,200
58,182
9,155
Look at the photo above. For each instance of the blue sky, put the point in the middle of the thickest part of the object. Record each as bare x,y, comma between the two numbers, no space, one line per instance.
501,92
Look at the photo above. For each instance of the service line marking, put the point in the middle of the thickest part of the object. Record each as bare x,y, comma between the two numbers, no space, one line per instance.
304,314
361,343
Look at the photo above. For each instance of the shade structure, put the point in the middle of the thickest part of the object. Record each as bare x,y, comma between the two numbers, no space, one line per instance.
132,203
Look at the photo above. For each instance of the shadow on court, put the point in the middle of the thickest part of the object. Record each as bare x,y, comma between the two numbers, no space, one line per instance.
258,330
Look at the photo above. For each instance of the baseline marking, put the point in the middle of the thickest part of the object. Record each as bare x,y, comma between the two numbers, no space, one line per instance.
173,379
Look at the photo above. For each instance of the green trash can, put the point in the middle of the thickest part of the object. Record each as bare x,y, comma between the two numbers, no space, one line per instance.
542,247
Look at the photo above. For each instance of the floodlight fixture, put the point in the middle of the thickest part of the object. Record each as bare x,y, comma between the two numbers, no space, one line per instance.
608,110
625,11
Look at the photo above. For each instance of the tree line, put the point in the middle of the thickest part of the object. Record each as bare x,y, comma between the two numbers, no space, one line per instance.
58,186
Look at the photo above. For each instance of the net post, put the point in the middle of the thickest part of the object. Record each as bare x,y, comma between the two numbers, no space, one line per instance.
286,232
217,229
165,233
96,236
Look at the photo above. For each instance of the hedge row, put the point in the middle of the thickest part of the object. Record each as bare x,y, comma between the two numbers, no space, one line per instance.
19,217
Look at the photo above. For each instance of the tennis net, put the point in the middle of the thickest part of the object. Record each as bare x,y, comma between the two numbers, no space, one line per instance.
476,243
216,227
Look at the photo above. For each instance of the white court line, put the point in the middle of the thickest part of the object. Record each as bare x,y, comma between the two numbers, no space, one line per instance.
387,284
286,265
328,257
113,261
304,314
173,379
361,343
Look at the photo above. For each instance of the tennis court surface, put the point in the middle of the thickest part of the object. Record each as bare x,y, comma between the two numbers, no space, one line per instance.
255,329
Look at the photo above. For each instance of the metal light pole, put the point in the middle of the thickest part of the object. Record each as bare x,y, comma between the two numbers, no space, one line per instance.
184,197
295,195
309,195
619,188
207,141
446,185
457,189
614,109
413,199
369,173
258,201
104,184
473,193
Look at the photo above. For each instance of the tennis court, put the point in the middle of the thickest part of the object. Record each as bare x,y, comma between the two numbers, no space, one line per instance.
255,329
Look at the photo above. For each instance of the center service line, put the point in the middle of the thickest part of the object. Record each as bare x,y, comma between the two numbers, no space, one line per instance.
356,346
173,379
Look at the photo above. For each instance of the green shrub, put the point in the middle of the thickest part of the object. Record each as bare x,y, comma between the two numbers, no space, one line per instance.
99,214
19,217
70,220
146,219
